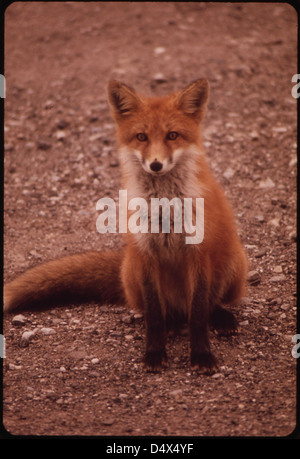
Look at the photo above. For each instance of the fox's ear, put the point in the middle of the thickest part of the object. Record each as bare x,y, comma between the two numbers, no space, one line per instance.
193,99
122,98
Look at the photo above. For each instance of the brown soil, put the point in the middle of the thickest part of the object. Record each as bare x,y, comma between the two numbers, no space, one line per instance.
60,157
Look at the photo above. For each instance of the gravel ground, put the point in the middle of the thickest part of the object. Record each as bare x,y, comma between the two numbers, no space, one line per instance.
77,370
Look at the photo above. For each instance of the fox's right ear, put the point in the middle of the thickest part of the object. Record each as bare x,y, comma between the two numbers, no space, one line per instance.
122,99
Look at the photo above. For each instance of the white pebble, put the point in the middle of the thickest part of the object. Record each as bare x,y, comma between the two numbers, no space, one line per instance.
47,331
19,319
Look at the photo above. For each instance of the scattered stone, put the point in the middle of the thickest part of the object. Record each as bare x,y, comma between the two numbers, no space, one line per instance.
27,337
275,222
229,173
159,50
261,253
60,134
279,129
260,218
277,269
159,78
254,135
108,421
19,320
253,277
12,366
94,361
268,183
219,375
279,278
138,316
175,393
244,323
127,319
129,337
47,331
293,161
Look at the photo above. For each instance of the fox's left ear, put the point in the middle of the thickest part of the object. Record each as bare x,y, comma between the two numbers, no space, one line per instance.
193,99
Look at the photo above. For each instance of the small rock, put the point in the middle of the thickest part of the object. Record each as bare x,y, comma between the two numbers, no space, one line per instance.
253,277
108,421
129,337
138,316
159,78
279,278
293,161
279,129
218,375
19,320
261,253
60,134
127,319
254,135
275,222
12,366
260,218
176,392
159,50
277,269
27,337
47,331
244,323
229,173
94,361
268,183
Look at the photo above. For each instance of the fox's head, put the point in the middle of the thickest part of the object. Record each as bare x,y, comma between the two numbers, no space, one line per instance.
158,131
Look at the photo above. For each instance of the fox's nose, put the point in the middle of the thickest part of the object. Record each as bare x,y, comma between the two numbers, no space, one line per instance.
156,166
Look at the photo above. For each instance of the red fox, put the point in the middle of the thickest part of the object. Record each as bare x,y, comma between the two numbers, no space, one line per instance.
170,281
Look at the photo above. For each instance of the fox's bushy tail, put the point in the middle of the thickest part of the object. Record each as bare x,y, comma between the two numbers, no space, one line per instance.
90,276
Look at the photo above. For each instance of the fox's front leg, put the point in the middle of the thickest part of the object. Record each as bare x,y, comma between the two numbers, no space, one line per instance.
201,356
155,357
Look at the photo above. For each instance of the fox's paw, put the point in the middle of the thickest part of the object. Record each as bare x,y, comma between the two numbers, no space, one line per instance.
223,321
155,361
204,362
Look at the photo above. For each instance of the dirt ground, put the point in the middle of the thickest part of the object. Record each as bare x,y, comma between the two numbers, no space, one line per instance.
82,372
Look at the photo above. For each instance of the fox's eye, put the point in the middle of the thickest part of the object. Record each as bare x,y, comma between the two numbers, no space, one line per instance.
172,135
141,137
